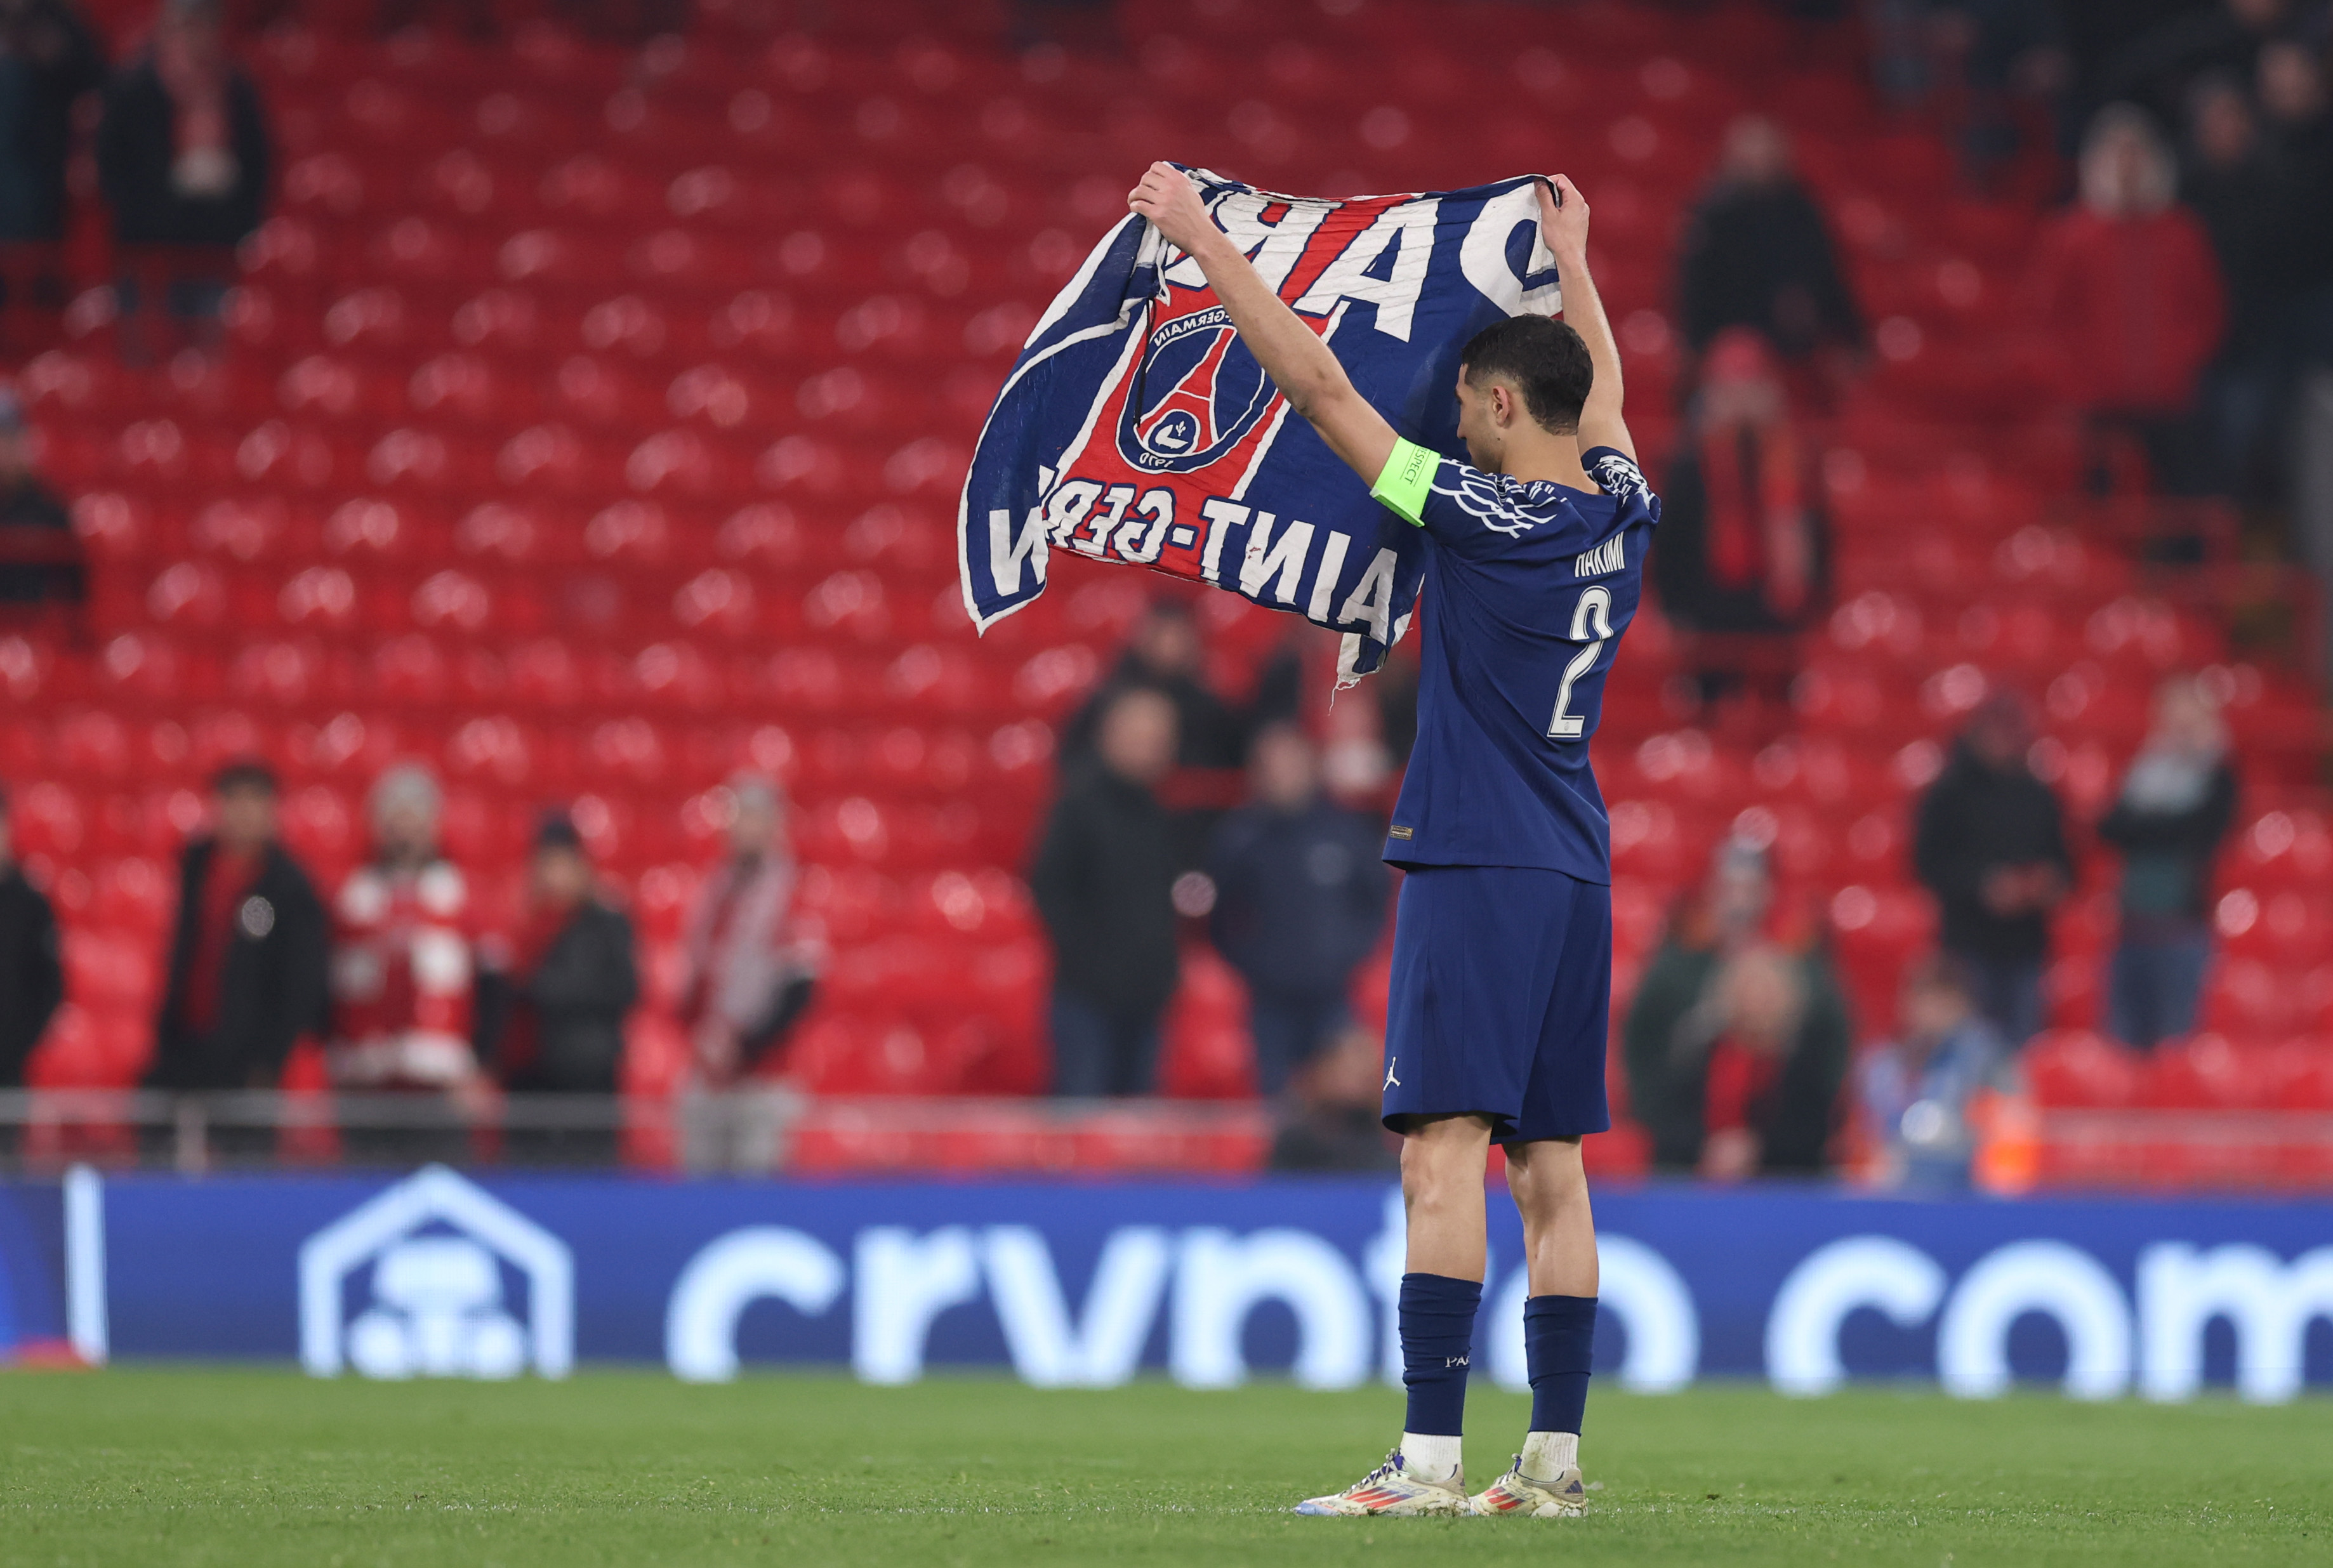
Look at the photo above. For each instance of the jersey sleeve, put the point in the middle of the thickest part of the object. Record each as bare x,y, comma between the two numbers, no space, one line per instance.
1615,473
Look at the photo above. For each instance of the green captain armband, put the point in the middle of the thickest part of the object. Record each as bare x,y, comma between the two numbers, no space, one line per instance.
1407,478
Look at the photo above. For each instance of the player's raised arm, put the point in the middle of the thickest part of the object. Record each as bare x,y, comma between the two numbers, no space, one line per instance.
1299,363
1564,227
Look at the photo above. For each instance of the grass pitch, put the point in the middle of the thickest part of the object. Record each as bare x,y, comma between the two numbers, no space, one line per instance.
157,1466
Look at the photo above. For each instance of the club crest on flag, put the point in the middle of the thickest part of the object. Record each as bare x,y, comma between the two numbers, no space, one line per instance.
1198,391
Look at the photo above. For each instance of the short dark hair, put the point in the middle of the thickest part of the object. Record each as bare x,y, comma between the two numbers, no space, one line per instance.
1544,357
243,773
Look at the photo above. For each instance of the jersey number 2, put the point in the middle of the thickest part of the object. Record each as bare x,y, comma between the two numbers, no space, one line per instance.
1593,617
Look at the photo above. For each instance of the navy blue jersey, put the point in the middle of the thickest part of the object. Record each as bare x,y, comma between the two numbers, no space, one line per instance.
1528,587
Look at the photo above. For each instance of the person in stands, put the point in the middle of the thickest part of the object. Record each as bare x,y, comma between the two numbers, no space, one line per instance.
1758,254
2125,303
1770,1090
2176,805
48,58
555,1010
402,980
1918,1091
1332,1120
1681,1008
32,971
751,972
1164,655
182,158
1103,880
247,972
1990,843
1744,548
1300,901
752,961
40,559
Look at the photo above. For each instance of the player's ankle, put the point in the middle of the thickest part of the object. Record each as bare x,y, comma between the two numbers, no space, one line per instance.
1430,1457
1547,1455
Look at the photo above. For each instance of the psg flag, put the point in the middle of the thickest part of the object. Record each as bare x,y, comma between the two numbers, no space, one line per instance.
1136,427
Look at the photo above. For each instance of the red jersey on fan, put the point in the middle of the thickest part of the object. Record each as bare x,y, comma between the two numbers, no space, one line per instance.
401,979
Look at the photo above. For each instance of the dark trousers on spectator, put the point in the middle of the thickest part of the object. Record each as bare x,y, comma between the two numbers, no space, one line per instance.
1097,1053
2153,985
1290,1031
2008,994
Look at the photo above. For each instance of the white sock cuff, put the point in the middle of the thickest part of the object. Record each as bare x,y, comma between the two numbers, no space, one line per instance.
1547,1455
1429,1457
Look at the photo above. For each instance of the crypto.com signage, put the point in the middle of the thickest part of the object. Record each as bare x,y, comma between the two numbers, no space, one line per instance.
1079,1284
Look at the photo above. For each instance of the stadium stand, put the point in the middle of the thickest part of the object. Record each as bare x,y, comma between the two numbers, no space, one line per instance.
590,421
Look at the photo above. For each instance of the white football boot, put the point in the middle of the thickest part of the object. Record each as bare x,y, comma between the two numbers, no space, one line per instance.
1390,1490
1520,1495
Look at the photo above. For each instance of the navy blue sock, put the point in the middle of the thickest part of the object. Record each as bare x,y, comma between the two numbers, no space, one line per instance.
1437,1342
1558,1342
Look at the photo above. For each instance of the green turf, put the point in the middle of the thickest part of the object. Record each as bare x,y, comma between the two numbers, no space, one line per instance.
163,1466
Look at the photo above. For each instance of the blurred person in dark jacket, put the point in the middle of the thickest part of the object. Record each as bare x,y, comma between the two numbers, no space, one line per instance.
2177,803
48,58
1103,880
184,157
1758,254
1919,1091
2238,188
2297,113
40,557
1164,653
247,970
1773,1071
1300,901
1990,843
32,968
558,1018
1334,1121
1679,1010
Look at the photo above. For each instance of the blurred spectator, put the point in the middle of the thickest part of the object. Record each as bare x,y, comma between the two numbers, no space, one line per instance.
2125,301
2298,112
2156,67
32,971
1103,880
2177,803
402,977
1164,655
1773,1072
48,58
183,155
752,962
1681,1009
2237,189
1743,550
557,1010
1986,55
1757,254
1333,1124
247,970
40,559
1990,843
1300,901
1917,1090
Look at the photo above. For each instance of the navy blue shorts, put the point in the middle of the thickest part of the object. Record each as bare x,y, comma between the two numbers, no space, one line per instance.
1502,1000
